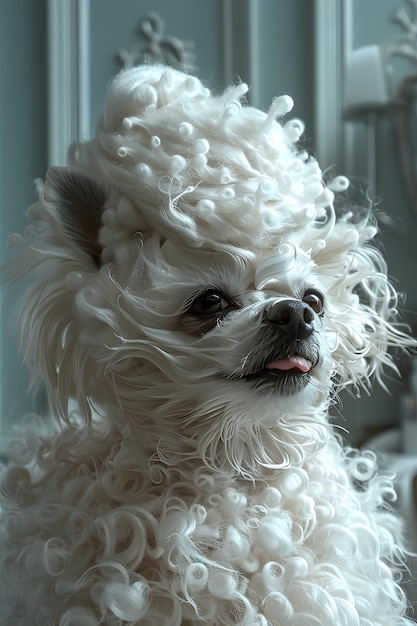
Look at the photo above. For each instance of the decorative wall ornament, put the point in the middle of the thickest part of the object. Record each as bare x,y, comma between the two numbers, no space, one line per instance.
159,48
406,44
333,43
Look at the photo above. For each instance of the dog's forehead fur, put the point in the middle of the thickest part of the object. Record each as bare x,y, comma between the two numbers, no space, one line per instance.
200,168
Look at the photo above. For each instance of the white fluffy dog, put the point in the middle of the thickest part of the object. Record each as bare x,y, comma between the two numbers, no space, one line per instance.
198,297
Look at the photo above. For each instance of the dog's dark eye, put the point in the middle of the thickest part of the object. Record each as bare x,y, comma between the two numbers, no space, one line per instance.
314,299
210,302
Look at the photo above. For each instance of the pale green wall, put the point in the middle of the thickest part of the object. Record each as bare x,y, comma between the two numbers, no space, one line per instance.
23,138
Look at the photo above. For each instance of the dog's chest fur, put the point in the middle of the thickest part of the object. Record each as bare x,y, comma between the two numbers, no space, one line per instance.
294,549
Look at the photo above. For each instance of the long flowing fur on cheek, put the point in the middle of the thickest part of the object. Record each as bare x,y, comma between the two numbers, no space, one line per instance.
362,308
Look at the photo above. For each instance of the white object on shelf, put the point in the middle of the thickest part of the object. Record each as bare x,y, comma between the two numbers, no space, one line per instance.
367,85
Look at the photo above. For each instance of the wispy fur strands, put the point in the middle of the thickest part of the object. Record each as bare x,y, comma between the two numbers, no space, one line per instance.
183,488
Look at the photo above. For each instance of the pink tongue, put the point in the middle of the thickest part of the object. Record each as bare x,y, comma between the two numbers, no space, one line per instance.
290,363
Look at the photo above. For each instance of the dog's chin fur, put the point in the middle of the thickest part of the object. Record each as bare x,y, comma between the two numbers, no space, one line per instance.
196,303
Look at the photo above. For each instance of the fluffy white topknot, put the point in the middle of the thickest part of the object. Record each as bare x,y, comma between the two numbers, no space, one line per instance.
200,166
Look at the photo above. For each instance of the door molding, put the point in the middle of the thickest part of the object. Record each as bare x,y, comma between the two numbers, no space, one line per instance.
69,75
333,44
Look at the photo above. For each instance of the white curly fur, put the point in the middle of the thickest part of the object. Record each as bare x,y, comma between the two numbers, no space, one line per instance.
178,491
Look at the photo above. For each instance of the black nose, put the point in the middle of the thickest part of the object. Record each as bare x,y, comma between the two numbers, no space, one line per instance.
293,316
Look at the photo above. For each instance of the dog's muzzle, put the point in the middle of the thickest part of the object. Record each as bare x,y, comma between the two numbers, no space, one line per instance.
294,318
285,349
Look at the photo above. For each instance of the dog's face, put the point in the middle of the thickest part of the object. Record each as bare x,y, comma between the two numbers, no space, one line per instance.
255,326
212,353
285,347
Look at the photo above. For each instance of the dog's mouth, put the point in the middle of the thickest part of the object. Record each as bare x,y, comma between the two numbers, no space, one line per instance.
294,365
284,374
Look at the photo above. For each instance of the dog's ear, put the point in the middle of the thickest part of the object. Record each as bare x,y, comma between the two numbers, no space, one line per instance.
80,202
